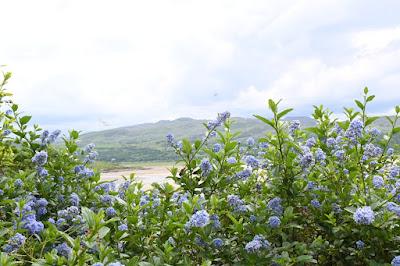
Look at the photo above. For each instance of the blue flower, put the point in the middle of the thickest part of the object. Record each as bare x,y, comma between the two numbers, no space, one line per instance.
336,208
6,132
311,142
106,199
253,218
393,207
44,136
294,125
89,147
320,156
396,261
74,199
339,154
42,172
275,206
252,161
306,159
122,227
360,244
364,215
14,243
170,139
215,221
117,263
82,171
370,150
217,147
41,211
355,130
64,250
205,167
1,192
315,203
244,174
53,136
145,199
274,221
331,142
218,242
390,151
18,183
42,202
110,211
237,203
40,158
250,141
258,242
311,185
98,264
374,132
231,160
234,200
33,226
378,181
394,172
199,219
263,145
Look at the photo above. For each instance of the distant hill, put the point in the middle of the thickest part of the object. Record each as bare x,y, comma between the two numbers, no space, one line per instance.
147,143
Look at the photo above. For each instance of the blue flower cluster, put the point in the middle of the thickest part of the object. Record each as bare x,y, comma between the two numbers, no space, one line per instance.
199,219
364,215
275,205
205,167
259,242
14,243
274,221
237,203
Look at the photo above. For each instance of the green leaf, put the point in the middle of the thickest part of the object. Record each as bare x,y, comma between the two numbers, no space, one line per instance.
14,107
396,130
89,217
197,144
186,147
370,98
284,112
265,120
370,120
359,104
272,106
74,134
69,239
103,231
397,108
25,119
305,258
366,90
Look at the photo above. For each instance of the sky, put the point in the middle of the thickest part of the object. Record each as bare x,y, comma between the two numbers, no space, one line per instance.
94,65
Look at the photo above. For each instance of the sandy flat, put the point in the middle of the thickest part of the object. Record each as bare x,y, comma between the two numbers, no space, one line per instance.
148,175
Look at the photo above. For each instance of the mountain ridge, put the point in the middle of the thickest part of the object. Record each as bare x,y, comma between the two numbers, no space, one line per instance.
146,142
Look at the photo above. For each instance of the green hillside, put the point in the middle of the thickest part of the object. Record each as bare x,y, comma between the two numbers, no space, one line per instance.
146,142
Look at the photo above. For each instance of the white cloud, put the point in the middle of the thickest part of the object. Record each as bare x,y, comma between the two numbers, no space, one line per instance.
127,62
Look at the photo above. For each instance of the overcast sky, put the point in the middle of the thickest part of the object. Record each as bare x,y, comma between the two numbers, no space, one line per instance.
94,65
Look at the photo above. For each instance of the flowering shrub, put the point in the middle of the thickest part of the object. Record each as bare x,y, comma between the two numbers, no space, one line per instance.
324,195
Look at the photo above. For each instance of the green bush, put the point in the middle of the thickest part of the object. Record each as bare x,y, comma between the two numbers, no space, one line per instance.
324,195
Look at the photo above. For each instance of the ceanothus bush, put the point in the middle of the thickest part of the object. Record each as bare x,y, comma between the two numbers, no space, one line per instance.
327,194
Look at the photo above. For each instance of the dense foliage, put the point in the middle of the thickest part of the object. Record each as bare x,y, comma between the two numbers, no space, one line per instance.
328,195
